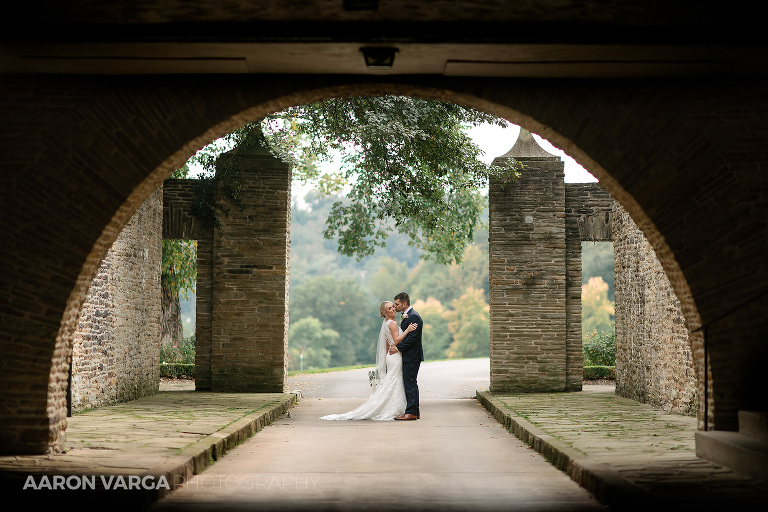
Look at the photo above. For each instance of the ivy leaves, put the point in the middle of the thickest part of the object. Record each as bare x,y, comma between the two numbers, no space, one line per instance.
179,266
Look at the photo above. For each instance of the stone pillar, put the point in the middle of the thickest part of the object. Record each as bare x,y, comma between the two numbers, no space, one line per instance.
203,316
180,221
574,349
588,209
250,276
527,273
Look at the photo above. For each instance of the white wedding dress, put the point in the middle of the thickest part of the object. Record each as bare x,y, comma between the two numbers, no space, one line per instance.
388,399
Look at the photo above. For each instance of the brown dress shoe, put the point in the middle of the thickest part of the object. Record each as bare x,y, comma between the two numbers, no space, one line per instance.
407,417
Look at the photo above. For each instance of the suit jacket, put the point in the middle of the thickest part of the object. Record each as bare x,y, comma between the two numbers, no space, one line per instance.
410,347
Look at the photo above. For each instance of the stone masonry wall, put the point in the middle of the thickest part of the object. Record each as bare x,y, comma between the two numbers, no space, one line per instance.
242,275
537,224
249,310
654,361
179,221
203,310
527,273
587,219
116,347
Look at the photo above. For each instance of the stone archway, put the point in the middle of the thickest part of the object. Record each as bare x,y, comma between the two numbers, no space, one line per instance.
102,167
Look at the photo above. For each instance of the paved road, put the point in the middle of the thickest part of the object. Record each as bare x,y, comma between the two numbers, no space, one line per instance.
456,457
438,379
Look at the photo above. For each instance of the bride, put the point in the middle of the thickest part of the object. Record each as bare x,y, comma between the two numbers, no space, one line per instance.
388,399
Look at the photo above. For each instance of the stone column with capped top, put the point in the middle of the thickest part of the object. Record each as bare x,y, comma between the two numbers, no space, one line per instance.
249,307
527,267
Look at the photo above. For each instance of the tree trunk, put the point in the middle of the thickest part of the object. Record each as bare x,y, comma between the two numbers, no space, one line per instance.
170,322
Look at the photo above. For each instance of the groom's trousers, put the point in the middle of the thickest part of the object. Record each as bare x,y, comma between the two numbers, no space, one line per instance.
410,374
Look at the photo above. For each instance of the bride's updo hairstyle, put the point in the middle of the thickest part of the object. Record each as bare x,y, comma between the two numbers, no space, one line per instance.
383,309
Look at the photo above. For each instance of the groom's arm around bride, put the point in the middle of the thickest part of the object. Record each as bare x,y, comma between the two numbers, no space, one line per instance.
411,344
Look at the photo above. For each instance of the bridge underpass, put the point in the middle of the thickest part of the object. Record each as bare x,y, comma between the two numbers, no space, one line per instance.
83,150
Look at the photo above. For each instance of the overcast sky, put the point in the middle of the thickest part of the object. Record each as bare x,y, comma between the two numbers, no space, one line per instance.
496,141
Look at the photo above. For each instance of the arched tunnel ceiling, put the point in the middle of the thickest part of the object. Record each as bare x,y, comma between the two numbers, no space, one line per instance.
533,38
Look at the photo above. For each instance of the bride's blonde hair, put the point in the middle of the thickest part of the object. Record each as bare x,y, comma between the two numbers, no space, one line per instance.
383,309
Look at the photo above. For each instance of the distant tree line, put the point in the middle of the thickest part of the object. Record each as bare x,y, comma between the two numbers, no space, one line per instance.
334,299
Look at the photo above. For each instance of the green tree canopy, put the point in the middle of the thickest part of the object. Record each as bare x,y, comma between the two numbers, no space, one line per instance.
448,282
308,344
436,337
596,310
406,166
468,321
342,305
390,279
179,266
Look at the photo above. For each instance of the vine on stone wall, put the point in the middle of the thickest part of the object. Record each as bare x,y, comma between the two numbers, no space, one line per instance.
220,185
216,190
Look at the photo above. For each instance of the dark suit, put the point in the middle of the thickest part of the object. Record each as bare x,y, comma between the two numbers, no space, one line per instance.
413,355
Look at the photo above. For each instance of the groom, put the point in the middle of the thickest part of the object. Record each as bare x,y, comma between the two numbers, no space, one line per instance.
412,353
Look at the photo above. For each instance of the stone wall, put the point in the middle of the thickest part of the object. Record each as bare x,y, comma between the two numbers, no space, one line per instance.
537,224
654,362
116,347
249,308
588,209
242,274
179,221
527,264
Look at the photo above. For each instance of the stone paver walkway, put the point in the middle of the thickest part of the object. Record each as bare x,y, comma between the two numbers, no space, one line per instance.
624,451
171,434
